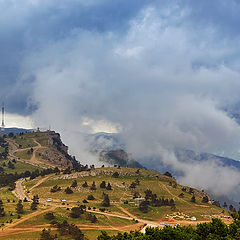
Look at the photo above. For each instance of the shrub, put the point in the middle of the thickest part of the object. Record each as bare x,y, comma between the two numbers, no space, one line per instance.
115,175
90,197
49,216
85,184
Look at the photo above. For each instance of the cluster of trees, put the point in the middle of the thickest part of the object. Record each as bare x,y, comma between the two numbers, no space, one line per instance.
215,230
55,188
152,200
68,190
9,179
4,145
91,217
10,165
64,229
106,200
157,202
107,187
77,212
2,212
134,184
35,202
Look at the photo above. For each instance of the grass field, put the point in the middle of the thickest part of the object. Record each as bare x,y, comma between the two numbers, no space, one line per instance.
25,154
121,192
20,167
9,205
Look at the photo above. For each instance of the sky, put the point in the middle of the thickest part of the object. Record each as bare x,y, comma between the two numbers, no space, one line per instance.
163,74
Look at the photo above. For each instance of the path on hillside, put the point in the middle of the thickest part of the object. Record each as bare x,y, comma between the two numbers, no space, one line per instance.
29,216
38,228
39,182
173,195
33,160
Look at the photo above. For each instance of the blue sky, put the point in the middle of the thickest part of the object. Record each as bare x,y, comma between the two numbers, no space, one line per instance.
164,74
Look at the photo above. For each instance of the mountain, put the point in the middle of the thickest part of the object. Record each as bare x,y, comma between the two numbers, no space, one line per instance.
189,155
108,142
17,130
119,157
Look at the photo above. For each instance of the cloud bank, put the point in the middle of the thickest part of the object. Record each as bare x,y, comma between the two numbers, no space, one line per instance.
162,74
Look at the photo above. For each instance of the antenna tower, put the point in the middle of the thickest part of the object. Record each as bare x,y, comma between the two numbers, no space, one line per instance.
3,125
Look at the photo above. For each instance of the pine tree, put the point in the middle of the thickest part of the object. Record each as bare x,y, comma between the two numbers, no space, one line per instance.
93,187
193,199
19,207
85,184
106,201
74,184
109,187
103,184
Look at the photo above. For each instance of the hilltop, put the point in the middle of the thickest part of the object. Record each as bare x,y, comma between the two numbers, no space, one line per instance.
93,199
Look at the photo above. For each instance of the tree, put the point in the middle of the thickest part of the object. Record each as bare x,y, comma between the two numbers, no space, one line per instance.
85,184
136,195
216,203
168,174
74,184
49,216
11,165
68,190
103,184
137,181
193,199
55,188
46,235
2,212
91,217
181,195
191,190
115,175
90,197
33,206
35,199
93,187
109,187
143,206
19,207
106,201
205,199
76,212
133,185
231,208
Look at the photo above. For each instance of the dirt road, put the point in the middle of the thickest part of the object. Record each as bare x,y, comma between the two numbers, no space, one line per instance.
33,160
19,191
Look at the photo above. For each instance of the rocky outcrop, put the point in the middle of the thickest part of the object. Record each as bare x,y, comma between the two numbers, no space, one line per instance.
55,157
119,157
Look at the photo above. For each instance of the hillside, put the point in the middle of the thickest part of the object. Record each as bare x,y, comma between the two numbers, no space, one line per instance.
133,197
32,150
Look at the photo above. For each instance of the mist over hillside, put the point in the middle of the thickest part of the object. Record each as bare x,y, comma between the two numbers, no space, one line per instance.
216,174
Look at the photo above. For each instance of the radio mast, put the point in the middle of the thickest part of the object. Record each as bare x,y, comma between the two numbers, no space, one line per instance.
3,125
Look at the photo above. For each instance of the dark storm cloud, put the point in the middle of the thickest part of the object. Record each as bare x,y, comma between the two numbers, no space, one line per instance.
160,71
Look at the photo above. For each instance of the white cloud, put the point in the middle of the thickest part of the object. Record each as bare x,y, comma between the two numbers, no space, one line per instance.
15,120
